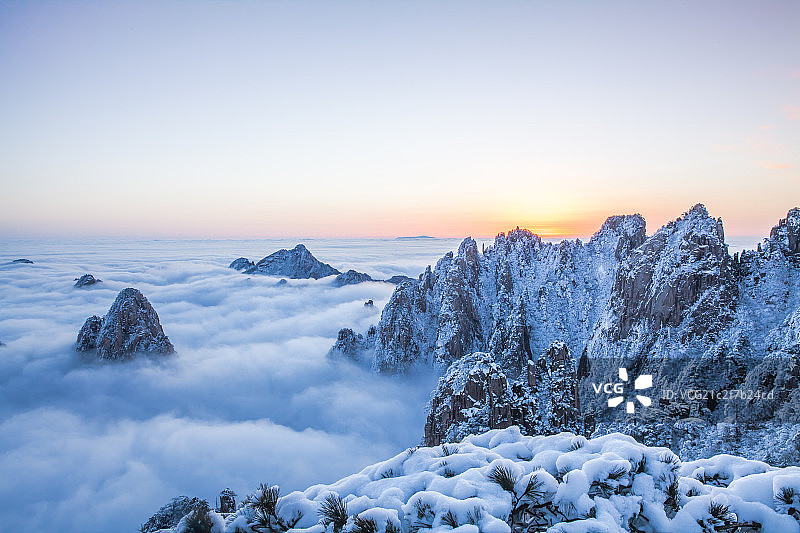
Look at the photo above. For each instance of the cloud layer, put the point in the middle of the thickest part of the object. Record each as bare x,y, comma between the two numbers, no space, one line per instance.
249,397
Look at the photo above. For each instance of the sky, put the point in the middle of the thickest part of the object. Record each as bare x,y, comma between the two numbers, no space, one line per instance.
380,119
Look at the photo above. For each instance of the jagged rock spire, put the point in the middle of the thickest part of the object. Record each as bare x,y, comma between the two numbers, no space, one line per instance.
130,326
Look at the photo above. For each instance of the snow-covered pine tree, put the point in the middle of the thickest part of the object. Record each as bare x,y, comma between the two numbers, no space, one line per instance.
557,390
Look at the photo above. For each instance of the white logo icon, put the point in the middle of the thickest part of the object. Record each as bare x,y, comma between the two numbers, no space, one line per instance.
642,382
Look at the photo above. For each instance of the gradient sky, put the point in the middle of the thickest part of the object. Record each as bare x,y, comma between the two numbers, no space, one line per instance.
342,118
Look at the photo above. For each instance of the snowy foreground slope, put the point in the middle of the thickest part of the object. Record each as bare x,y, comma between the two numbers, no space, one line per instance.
502,481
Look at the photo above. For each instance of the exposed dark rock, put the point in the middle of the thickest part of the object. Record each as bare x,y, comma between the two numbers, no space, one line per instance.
631,231
351,277
369,303
554,378
87,336
675,306
513,299
130,326
679,276
475,395
785,236
22,261
399,330
297,263
281,282
583,365
227,501
169,515
242,263
398,279
86,280
511,340
352,345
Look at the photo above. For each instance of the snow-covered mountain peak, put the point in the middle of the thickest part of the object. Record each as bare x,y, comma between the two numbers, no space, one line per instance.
786,234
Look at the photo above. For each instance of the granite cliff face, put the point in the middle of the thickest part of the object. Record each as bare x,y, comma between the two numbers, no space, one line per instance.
621,294
511,300
785,236
679,283
131,326
674,305
475,395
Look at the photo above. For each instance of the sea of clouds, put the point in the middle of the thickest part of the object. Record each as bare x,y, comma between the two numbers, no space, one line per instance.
248,397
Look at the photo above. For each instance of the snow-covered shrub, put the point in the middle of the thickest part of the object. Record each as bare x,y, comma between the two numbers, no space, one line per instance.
505,482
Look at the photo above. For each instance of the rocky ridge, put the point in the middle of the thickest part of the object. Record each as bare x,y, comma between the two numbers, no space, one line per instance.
675,305
300,263
351,277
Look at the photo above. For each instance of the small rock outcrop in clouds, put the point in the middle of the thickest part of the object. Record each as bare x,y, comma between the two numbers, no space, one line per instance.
22,262
242,263
86,280
131,326
398,279
297,263
353,346
351,277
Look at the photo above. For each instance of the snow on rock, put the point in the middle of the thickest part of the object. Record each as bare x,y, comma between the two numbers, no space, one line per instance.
475,395
680,279
297,263
86,280
785,236
398,279
351,277
171,514
87,336
512,299
620,295
130,326
674,305
352,345
242,263
501,481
